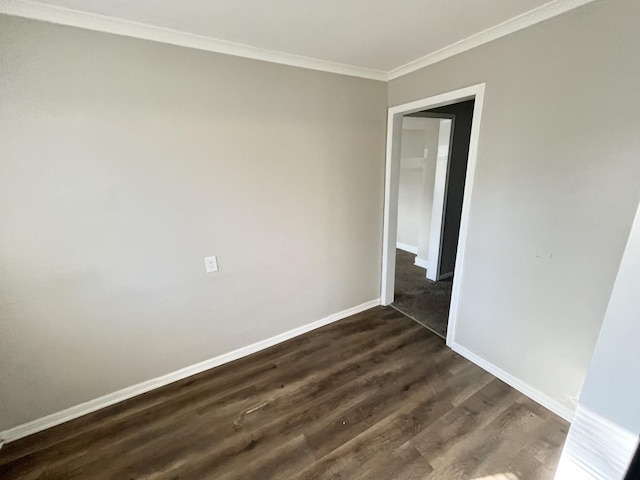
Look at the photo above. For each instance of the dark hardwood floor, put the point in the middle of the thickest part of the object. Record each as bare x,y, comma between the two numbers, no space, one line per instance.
374,396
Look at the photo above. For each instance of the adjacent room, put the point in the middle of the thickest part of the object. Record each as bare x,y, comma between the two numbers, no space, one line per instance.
316,240
434,148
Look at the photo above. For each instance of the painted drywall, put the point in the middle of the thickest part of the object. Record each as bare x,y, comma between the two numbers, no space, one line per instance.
608,389
417,175
555,190
124,162
604,434
456,176
410,186
432,130
426,204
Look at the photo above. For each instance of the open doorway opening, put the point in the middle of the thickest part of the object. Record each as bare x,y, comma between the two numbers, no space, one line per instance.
431,150
433,160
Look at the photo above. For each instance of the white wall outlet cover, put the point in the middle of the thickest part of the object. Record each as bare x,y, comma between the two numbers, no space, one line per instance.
211,264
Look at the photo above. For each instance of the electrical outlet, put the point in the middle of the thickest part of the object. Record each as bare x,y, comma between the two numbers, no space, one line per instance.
211,264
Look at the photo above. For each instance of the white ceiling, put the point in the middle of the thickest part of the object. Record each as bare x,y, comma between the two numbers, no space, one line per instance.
376,35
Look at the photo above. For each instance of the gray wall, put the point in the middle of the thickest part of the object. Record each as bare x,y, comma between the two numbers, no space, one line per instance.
428,188
604,434
416,184
611,388
410,186
555,190
124,162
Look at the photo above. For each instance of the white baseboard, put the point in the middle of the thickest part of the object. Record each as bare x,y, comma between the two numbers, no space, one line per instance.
596,448
421,262
407,248
535,395
76,411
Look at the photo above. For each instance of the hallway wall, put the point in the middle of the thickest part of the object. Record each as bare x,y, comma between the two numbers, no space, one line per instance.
417,176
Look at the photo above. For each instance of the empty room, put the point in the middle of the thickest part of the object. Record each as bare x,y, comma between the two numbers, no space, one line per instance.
303,239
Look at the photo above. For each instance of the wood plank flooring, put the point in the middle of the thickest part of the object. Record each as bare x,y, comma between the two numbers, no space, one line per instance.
374,396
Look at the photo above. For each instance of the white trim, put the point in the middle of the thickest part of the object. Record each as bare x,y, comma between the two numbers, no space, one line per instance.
596,448
534,394
407,248
458,268
129,28
76,411
421,262
527,19
443,157
447,98
390,212
394,132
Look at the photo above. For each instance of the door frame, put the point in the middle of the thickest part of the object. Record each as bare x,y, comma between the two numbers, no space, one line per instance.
392,175
438,212
439,188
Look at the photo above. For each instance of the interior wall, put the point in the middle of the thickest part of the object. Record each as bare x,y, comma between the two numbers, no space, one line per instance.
410,185
417,175
604,434
432,130
124,162
456,177
555,188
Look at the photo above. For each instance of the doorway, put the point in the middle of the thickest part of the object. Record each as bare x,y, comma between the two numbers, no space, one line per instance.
422,289
429,273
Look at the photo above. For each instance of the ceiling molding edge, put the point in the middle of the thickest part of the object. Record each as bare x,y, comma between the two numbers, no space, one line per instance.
527,19
102,23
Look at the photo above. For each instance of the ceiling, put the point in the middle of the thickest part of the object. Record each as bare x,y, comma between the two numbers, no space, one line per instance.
375,36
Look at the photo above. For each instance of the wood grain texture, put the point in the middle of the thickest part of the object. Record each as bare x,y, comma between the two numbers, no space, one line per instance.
374,396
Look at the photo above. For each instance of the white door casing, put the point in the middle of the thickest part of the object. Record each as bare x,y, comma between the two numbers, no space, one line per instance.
439,194
392,171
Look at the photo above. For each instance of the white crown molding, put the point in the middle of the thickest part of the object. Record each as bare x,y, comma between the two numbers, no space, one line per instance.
527,19
128,28
102,23
76,411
